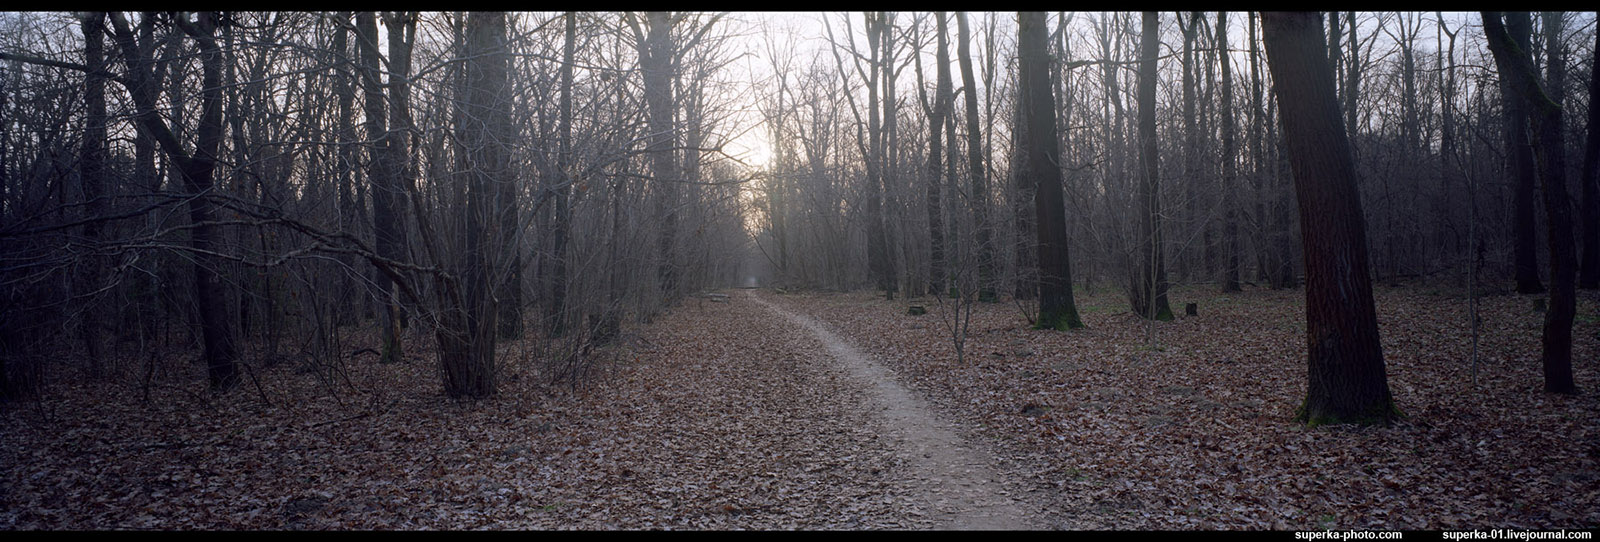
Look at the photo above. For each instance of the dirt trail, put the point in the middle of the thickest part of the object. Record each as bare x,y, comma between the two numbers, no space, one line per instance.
718,416
954,476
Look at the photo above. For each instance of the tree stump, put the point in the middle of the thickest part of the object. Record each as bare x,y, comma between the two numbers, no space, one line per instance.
916,310
1191,309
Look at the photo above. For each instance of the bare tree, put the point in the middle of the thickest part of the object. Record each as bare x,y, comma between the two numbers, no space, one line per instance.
1520,30
942,105
1590,279
556,305
975,163
656,52
1149,292
1346,377
1057,309
466,329
197,168
1521,82
388,195
93,173
1230,220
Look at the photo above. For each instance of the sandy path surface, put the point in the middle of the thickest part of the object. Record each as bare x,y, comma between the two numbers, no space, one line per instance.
953,476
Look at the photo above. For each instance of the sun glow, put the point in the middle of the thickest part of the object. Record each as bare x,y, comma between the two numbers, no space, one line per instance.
751,148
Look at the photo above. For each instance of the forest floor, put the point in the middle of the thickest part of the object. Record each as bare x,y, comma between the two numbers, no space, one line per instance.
841,411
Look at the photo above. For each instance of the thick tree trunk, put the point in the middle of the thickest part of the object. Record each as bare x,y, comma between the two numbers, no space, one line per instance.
505,206
196,171
1056,307
216,319
92,172
1524,234
891,155
878,265
1521,79
344,132
656,54
1149,292
1347,382
1025,190
1266,261
467,320
387,195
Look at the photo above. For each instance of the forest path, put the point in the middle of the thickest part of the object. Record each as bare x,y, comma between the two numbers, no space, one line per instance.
953,476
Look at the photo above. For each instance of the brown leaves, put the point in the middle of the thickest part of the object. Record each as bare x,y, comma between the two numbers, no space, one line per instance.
1197,433
723,417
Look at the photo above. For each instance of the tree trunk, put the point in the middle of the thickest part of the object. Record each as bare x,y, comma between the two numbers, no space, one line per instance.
1205,170
1273,238
387,195
1447,140
936,121
1335,50
1521,79
1591,181
92,172
1025,190
1230,192
1149,292
656,54
1056,307
1191,138
1524,233
197,171
1352,82
1347,382
216,319
891,154
975,168
505,204
467,327
556,307
877,242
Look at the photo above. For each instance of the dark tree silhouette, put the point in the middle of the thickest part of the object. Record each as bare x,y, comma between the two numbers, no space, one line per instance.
467,329
975,169
1590,277
1149,292
1521,82
198,170
1524,236
1346,377
388,197
1056,307
936,120
93,172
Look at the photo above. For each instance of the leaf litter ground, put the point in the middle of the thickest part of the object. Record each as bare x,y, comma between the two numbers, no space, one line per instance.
1196,432
728,415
